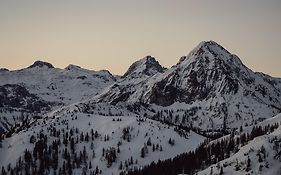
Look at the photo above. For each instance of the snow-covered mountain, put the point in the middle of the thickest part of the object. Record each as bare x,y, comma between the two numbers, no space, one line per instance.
65,86
133,80
46,86
79,121
210,84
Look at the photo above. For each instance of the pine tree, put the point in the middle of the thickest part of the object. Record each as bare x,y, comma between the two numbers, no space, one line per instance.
63,168
97,170
90,165
161,148
81,137
27,156
0,141
248,164
94,154
87,137
72,145
171,141
84,154
211,172
118,149
142,152
221,171
148,142
153,147
259,157
3,172
120,165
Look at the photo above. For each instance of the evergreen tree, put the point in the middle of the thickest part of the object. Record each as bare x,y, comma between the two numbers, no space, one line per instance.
248,168
153,147
221,171
90,165
97,170
3,171
142,152
148,142
120,165
87,137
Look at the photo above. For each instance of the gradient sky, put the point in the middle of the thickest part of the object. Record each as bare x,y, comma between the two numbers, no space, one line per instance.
111,34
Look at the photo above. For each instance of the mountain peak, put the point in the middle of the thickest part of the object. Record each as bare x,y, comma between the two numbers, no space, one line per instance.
147,66
211,44
214,48
4,70
72,66
41,64
207,50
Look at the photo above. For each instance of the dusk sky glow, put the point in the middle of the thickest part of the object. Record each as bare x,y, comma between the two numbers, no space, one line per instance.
111,34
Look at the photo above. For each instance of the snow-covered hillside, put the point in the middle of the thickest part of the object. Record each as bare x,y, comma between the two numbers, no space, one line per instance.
250,150
135,142
262,155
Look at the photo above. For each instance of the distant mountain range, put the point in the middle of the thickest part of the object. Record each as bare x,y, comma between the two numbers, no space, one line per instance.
209,93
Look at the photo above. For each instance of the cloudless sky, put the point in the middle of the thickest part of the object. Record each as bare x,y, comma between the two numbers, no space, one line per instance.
112,34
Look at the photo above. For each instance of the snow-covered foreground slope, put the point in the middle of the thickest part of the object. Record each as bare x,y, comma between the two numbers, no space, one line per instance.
251,150
131,133
262,155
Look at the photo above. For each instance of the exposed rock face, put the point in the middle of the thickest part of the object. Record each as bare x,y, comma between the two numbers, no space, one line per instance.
16,96
207,70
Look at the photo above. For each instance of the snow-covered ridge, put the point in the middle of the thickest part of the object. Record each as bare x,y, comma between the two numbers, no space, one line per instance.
209,78
210,83
66,86
41,64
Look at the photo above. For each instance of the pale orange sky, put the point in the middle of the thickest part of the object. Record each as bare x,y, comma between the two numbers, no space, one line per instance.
112,34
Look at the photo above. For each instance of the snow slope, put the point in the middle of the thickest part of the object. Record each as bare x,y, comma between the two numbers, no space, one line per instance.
268,146
140,130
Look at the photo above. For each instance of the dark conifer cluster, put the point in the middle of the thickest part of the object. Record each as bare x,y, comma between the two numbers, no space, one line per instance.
48,148
206,154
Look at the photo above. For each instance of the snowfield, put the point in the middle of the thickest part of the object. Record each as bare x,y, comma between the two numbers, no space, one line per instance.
140,132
